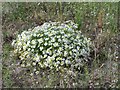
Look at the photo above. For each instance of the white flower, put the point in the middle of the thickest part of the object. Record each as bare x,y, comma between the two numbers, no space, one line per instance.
62,32
46,39
53,39
29,49
28,43
58,62
67,62
32,50
33,46
24,47
54,55
68,35
49,52
34,69
44,51
28,64
45,43
45,55
34,63
65,53
70,52
50,34
58,58
33,42
78,47
19,43
60,49
50,43
13,42
41,48
55,44
41,35
31,74
65,35
46,64
59,40
58,36
37,28
37,58
40,40
66,46
62,62
37,72
59,52
22,65
62,37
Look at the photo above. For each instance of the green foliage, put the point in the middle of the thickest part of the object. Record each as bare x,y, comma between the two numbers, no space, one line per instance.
7,80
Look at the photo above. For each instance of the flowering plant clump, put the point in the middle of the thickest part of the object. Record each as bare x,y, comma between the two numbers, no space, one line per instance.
52,45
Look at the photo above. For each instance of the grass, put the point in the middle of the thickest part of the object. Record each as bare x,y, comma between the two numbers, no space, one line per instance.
7,80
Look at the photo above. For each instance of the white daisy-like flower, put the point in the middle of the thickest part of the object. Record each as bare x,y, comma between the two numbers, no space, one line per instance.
28,42
58,62
55,44
33,42
13,42
59,40
46,64
33,46
41,48
66,46
62,32
40,40
37,58
31,74
49,59
53,39
34,63
37,72
62,62
36,28
46,39
50,34
78,48
45,43
41,35
58,36
65,53
32,50
34,69
28,64
45,55
22,65
24,47
70,52
49,52
19,43
44,51
67,62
